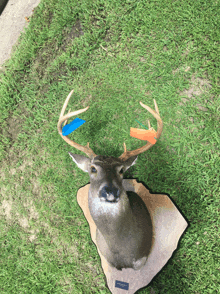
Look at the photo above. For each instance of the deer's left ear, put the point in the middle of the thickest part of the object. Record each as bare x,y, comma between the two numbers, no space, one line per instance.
81,161
130,161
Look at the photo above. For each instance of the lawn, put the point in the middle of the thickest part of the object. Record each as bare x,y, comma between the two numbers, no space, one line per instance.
113,54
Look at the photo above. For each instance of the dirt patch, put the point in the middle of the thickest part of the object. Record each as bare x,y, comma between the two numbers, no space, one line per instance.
54,49
5,209
14,122
45,57
18,206
70,34
198,87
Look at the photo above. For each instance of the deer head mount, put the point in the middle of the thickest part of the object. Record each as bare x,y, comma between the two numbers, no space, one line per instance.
124,228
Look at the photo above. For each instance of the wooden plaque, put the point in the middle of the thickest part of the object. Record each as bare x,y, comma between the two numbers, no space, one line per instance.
168,226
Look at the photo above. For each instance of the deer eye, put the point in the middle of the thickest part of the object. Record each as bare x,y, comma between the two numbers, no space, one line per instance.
93,169
121,170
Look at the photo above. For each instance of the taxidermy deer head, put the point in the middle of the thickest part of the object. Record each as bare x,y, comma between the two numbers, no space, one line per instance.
124,228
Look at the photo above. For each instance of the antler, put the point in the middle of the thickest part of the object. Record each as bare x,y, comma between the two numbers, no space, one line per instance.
156,114
86,149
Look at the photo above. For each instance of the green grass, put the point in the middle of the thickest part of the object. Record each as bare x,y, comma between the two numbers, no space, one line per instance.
163,50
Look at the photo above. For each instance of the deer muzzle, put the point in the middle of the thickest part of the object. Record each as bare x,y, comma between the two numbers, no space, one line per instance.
109,193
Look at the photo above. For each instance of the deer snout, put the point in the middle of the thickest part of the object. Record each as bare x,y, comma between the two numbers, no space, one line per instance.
109,193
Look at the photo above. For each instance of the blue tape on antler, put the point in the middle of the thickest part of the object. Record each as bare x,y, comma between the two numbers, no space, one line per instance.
75,124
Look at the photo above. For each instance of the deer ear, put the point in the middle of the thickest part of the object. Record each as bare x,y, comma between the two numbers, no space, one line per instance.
130,161
81,161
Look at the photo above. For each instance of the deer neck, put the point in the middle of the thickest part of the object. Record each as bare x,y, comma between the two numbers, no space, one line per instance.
115,221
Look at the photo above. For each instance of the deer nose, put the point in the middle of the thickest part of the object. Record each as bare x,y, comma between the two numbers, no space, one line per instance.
109,193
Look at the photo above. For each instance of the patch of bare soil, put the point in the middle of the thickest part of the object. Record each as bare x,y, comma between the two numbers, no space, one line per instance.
52,50
197,88
45,56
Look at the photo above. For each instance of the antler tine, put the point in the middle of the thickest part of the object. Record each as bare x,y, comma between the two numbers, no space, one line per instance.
156,107
86,149
126,154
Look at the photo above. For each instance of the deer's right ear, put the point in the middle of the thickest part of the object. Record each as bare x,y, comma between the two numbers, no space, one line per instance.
82,162
130,161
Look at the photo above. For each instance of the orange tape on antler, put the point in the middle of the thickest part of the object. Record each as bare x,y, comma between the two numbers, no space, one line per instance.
145,135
